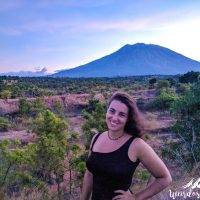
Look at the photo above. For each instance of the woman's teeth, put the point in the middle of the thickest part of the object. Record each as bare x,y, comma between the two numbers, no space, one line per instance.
113,123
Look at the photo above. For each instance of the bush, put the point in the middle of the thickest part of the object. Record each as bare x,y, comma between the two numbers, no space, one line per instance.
163,101
183,88
4,124
162,84
24,107
152,82
186,146
189,77
5,94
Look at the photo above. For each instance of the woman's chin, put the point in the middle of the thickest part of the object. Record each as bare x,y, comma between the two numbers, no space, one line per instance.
114,128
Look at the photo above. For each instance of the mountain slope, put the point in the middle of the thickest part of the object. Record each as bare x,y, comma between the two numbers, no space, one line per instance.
137,59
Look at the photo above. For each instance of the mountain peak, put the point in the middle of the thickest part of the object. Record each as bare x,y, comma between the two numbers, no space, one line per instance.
140,44
134,45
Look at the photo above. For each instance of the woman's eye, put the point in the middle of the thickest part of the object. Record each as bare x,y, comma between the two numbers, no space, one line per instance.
122,115
111,111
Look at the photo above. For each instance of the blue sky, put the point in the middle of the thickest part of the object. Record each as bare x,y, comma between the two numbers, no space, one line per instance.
61,34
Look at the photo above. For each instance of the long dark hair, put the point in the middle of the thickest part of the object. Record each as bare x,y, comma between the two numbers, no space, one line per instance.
134,123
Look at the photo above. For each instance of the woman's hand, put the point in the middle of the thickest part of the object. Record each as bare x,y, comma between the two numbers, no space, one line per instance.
124,195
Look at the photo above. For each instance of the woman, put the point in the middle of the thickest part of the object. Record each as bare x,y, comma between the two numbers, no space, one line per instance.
115,154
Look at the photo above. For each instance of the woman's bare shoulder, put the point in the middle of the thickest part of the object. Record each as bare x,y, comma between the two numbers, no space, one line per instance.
138,142
139,146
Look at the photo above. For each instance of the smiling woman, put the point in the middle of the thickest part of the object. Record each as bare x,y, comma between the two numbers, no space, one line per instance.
115,154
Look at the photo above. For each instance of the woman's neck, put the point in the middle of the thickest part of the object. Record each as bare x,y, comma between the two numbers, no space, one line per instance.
115,134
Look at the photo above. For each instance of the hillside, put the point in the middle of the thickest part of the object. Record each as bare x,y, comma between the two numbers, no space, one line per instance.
137,59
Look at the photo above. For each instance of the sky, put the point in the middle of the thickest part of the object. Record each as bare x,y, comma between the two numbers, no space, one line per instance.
62,34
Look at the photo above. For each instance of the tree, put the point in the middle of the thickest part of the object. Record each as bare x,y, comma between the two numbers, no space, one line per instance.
38,107
4,124
24,107
6,94
152,82
14,166
52,147
186,146
16,92
58,108
164,101
172,81
162,84
182,88
95,120
189,77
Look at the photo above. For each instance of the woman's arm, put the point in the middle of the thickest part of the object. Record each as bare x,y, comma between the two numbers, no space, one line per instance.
87,186
155,166
87,180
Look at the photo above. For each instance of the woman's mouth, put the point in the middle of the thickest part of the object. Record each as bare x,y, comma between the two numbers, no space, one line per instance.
113,123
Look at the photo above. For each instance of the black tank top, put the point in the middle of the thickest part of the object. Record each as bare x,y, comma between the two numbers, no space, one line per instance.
111,171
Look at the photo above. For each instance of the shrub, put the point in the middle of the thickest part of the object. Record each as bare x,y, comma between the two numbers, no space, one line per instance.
163,101
6,94
161,84
189,77
4,124
185,147
24,107
183,88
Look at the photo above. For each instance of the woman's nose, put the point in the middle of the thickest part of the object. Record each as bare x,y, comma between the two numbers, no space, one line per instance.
115,117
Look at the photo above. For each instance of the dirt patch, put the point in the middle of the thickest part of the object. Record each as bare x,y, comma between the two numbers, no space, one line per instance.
23,136
70,102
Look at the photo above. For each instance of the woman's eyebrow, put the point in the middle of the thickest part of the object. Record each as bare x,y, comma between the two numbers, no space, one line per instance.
123,113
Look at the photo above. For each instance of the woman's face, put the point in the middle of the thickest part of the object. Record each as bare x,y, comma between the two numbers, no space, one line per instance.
117,116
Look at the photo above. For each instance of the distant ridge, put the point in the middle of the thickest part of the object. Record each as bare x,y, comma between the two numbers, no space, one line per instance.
137,59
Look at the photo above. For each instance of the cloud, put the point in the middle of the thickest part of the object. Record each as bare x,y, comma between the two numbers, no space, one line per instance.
167,20
77,23
78,26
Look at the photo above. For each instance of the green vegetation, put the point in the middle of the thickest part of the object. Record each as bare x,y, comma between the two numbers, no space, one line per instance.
95,120
24,107
190,77
164,100
186,145
51,148
58,108
152,82
29,168
40,164
162,84
142,175
13,87
95,123
15,168
5,94
4,124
